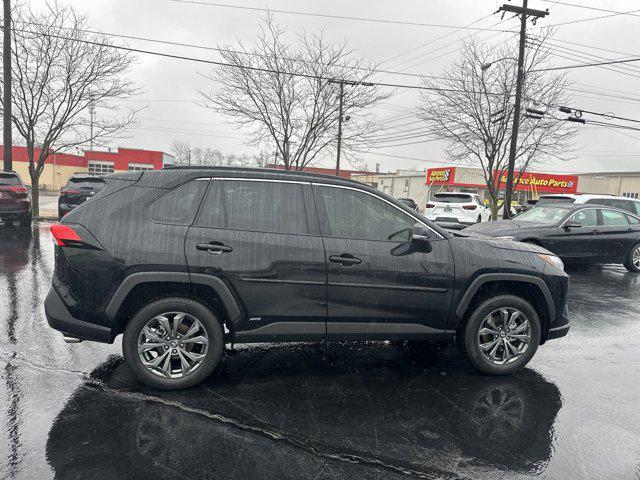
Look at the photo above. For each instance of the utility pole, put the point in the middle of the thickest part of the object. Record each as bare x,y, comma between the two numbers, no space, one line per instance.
7,141
341,117
92,112
524,13
339,129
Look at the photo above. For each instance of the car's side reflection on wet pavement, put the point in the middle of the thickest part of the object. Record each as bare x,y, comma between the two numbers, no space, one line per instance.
366,410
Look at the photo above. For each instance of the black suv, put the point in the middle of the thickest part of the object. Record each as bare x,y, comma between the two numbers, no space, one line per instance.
79,187
186,259
15,199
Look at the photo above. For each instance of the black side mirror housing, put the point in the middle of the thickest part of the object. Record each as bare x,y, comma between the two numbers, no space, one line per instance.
570,225
420,233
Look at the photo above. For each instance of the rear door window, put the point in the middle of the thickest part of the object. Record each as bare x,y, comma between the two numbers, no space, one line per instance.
612,218
257,206
179,206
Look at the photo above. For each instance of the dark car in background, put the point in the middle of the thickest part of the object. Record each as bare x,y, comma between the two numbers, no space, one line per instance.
409,202
576,233
79,187
15,199
184,260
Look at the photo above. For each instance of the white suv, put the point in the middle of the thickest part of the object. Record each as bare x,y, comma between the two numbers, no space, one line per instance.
624,203
457,207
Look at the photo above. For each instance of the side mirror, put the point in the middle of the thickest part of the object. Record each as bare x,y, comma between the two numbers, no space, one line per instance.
420,233
572,224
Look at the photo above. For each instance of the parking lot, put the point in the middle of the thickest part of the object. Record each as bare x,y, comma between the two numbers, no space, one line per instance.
363,410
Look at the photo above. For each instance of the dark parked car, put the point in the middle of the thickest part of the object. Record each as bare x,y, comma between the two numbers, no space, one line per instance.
409,202
15,199
185,259
79,187
576,233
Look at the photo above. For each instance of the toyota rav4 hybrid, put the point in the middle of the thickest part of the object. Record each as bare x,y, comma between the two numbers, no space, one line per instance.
15,199
184,260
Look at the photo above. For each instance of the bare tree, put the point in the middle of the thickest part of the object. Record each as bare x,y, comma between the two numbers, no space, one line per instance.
472,110
188,155
60,71
294,115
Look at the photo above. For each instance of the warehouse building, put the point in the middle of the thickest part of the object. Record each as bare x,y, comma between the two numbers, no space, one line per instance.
421,185
60,166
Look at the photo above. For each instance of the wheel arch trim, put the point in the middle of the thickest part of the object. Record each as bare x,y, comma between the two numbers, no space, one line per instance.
483,279
131,281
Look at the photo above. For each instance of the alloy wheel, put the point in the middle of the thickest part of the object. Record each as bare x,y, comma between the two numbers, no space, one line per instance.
173,344
636,257
504,335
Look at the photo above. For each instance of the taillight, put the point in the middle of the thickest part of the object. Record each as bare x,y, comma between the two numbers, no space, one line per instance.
70,191
18,189
429,205
64,235
469,207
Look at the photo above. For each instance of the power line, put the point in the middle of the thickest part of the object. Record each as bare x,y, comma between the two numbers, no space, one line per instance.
581,65
224,64
323,15
581,20
590,8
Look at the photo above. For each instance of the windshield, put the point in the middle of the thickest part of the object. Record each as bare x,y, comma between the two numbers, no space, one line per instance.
548,215
440,197
552,200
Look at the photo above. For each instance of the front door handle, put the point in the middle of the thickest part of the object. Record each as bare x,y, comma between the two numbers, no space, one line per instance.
345,259
214,247
596,232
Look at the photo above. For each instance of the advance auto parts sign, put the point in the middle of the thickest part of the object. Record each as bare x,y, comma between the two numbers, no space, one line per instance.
544,182
441,176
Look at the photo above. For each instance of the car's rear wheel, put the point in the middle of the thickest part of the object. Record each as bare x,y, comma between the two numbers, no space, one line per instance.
501,334
173,343
633,259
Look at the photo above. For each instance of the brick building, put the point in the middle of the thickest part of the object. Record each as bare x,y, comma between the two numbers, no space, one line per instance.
60,166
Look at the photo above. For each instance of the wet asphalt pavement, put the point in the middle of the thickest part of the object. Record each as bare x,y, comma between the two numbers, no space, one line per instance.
366,410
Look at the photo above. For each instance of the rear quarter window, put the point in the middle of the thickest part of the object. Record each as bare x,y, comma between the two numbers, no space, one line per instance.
179,206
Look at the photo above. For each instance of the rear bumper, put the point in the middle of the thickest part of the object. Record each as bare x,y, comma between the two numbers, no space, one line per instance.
15,211
60,319
561,326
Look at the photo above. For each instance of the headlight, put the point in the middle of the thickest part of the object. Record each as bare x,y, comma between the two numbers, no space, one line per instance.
506,237
552,260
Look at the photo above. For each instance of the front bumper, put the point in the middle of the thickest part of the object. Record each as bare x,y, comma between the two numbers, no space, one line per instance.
60,319
561,326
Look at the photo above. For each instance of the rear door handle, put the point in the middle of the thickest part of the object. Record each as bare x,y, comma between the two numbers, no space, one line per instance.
596,232
345,259
214,247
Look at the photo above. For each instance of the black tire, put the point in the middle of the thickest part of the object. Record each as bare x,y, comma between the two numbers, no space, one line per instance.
628,263
479,220
471,328
209,322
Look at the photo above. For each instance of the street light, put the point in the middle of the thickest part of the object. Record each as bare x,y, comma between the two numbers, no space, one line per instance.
486,66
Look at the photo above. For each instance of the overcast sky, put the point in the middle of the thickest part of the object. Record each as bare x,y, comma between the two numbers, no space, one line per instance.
170,86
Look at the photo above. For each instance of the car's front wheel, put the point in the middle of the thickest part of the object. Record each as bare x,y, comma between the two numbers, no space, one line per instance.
173,343
501,334
632,262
